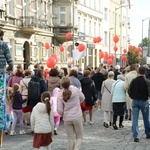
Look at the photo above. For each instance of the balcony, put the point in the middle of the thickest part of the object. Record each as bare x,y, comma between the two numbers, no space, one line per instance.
60,32
32,24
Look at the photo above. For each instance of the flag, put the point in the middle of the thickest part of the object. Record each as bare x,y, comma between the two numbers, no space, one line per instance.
77,55
147,60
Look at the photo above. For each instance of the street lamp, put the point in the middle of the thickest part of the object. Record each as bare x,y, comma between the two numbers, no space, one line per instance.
142,33
73,15
116,23
110,40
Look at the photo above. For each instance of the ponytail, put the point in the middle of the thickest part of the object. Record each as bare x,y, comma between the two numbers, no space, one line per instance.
48,107
66,95
45,97
65,83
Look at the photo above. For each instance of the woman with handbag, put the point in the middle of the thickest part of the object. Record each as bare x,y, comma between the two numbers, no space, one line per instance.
68,106
107,99
118,100
24,91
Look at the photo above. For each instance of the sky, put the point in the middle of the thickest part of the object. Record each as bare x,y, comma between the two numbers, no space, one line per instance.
140,9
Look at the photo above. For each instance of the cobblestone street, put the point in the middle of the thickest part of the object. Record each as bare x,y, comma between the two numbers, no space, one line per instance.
96,137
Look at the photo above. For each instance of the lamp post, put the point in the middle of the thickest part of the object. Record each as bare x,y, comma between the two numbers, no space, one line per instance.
110,40
116,23
142,33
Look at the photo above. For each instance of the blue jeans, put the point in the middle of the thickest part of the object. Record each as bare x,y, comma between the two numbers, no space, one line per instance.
138,105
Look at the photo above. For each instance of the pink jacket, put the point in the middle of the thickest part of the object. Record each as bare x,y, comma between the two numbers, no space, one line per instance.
53,101
14,79
70,110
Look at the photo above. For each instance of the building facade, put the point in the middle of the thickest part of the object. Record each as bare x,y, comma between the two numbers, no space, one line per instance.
29,24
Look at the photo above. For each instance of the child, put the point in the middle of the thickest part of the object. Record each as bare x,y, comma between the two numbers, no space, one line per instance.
54,106
17,102
9,111
42,123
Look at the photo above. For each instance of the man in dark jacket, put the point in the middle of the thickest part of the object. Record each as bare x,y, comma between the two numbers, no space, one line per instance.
139,91
98,79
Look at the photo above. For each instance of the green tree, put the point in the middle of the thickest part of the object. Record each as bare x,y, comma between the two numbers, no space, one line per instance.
145,42
133,56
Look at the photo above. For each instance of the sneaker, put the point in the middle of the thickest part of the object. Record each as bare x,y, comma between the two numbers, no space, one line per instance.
85,124
91,122
55,132
12,133
136,139
99,109
147,137
22,132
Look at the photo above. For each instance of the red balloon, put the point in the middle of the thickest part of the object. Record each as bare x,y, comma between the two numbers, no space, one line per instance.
68,35
95,40
125,51
124,58
115,48
61,48
55,56
111,56
106,55
139,49
116,39
109,61
47,46
101,54
98,39
51,62
81,47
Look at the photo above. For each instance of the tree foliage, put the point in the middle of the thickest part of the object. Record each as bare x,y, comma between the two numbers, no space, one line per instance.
145,42
134,55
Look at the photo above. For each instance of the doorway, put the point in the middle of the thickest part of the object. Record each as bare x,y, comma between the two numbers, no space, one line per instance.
26,54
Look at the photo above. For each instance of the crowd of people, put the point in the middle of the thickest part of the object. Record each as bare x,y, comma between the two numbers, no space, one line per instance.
68,93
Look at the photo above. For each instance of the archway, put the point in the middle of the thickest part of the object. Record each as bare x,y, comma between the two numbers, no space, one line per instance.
26,54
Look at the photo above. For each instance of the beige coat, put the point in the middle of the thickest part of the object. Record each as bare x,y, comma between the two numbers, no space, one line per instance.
128,78
106,95
53,82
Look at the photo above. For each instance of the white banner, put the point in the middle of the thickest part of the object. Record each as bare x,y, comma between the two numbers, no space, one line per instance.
77,55
147,60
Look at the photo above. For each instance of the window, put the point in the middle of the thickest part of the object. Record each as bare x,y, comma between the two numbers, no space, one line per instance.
99,29
84,26
79,23
2,5
11,10
48,14
62,15
90,28
105,14
105,38
95,29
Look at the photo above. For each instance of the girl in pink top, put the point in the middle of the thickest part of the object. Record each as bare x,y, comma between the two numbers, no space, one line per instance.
53,102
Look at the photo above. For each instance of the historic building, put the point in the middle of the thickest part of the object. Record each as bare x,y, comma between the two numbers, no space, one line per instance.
29,24
87,20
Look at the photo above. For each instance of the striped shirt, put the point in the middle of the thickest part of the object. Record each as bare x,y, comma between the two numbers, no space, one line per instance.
5,56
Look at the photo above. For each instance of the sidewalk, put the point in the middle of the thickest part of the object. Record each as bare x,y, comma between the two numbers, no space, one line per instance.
96,137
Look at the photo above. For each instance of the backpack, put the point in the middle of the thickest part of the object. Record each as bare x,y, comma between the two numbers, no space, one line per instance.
34,89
